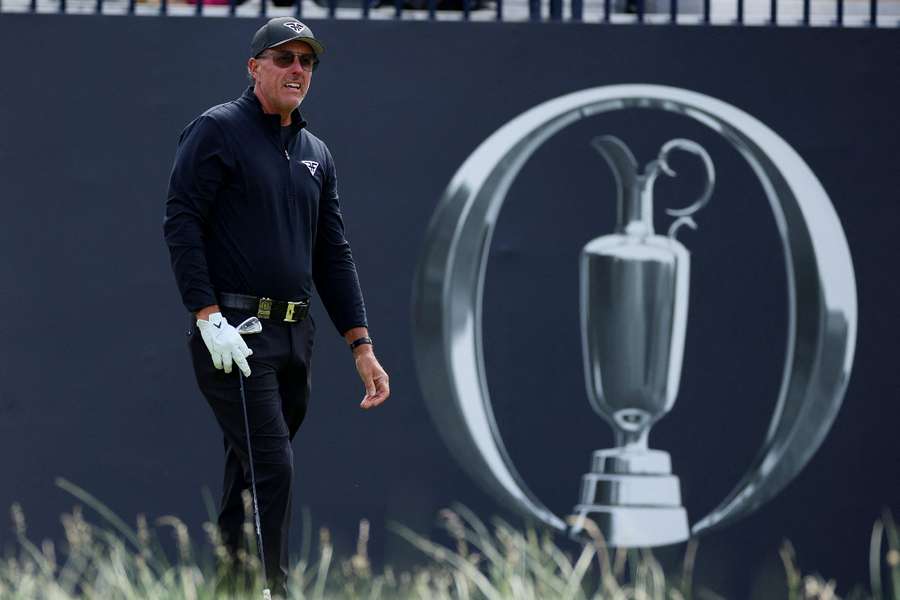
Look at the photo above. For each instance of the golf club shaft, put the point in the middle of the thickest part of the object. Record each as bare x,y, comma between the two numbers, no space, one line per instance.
259,539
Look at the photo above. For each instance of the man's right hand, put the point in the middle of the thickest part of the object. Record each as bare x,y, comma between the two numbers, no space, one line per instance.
225,344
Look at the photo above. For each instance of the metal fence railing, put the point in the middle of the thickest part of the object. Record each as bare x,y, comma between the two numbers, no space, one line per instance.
804,13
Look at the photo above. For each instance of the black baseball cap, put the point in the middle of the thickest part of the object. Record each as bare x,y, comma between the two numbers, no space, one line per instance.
280,30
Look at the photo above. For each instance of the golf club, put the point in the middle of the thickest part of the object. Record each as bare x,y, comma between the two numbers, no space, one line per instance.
249,327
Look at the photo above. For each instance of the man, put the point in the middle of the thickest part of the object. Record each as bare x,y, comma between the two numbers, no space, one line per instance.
252,221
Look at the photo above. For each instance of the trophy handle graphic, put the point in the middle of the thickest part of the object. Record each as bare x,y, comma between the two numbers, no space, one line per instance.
821,294
685,214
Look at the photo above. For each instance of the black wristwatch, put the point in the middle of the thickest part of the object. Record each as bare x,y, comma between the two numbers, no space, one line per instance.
360,342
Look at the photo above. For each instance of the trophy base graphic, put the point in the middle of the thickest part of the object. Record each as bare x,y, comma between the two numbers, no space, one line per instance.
633,498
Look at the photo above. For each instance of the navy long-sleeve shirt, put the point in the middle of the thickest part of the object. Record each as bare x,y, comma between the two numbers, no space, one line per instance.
247,214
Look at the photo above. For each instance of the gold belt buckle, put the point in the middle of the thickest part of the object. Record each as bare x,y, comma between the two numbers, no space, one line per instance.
265,308
289,313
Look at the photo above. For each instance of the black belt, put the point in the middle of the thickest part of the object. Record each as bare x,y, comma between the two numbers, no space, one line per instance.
266,308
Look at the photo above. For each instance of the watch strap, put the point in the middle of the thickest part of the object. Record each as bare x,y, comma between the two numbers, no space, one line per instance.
360,341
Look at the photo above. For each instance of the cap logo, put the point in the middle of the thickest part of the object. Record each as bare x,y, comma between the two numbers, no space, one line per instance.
295,26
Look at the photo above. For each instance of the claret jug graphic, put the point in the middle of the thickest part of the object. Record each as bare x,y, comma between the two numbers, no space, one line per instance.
634,297
634,304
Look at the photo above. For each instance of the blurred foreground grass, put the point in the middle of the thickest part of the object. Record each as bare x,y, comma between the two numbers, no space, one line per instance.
116,561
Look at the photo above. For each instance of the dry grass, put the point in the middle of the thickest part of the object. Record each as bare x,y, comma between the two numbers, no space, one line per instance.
117,561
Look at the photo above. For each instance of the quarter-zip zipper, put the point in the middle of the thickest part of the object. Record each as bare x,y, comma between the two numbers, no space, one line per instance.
290,176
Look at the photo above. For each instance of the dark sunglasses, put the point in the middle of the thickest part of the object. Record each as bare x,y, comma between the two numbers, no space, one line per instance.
284,59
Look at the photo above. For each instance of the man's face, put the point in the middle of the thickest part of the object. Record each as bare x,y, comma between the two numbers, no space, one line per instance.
281,89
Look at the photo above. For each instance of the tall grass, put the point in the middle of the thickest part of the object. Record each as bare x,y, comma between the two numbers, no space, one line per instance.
500,562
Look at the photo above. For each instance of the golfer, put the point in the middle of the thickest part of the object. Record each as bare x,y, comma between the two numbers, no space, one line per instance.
252,222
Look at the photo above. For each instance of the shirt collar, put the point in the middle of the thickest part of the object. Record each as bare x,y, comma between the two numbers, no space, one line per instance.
273,121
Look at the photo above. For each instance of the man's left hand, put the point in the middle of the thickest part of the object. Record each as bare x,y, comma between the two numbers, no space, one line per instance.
373,376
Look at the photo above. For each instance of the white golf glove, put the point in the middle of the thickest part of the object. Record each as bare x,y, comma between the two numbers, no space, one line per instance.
225,344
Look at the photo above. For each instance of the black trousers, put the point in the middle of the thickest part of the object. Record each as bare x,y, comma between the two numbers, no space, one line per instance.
277,393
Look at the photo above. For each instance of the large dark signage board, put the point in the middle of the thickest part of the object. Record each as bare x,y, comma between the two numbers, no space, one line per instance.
96,383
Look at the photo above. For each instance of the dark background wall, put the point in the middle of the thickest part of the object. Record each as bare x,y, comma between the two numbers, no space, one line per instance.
95,383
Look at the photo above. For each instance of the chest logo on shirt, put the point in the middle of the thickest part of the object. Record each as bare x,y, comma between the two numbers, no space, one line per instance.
311,165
